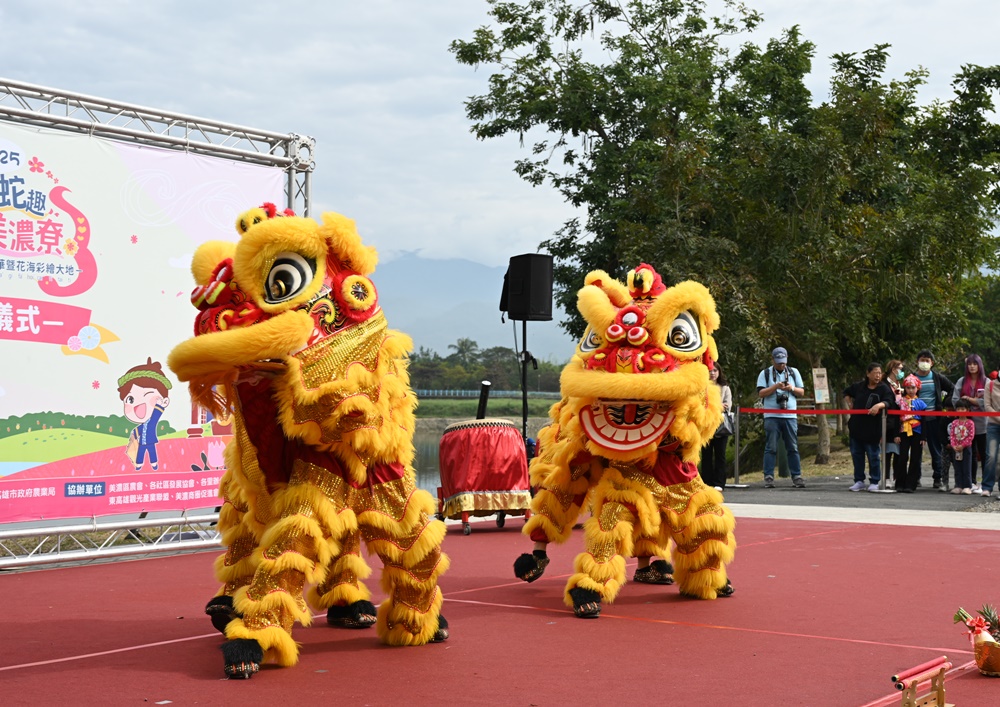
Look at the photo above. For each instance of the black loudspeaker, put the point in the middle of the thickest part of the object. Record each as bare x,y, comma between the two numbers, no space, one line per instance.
527,292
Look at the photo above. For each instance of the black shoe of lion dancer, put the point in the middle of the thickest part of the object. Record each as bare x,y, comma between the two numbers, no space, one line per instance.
360,614
243,657
586,603
531,567
658,572
220,610
442,633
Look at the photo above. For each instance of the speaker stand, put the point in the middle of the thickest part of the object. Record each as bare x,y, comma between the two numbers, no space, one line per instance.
525,357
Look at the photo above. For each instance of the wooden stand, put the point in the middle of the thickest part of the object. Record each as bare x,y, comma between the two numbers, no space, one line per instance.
932,674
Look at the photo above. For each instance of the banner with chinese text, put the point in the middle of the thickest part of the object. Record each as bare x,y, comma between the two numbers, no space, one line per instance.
96,239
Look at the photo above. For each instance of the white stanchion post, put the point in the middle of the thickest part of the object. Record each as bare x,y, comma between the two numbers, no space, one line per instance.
736,439
885,463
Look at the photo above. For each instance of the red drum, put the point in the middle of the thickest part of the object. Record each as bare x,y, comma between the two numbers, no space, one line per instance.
484,471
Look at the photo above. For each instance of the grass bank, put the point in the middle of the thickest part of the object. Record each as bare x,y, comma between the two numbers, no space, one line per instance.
465,408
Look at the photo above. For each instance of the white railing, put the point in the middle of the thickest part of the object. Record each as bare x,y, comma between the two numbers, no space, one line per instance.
98,540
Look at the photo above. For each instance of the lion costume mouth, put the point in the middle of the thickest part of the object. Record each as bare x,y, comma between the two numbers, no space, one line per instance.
626,425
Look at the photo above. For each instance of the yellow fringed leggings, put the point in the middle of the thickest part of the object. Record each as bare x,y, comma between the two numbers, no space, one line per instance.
553,514
633,515
315,538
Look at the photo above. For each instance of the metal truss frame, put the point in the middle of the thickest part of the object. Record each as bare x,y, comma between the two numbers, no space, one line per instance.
39,106
32,547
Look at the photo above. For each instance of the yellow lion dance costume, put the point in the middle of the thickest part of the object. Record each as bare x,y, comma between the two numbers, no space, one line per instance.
291,341
636,409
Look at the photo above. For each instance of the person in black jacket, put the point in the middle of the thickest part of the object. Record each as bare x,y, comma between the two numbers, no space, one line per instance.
934,389
873,395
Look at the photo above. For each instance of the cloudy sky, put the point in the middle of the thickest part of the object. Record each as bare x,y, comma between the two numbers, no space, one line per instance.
374,83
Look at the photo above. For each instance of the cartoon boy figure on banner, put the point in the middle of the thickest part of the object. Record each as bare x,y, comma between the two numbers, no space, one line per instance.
143,389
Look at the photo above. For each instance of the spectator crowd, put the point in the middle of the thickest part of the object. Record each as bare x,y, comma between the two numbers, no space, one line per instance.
962,447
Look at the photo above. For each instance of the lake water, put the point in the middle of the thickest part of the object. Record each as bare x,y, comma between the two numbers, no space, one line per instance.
426,464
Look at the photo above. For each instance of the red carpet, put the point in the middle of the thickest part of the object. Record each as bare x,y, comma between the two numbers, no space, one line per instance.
824,613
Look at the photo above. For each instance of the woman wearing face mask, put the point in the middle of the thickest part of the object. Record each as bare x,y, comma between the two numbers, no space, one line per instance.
894,375
970,388
934,388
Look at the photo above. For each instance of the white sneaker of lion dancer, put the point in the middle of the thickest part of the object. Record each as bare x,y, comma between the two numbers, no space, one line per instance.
873,488
858,486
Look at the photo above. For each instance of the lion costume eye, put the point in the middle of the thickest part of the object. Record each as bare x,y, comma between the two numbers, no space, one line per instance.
590,342
685,334
289,276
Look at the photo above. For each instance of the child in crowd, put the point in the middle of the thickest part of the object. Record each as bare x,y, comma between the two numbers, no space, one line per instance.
961,433
893,376
910,441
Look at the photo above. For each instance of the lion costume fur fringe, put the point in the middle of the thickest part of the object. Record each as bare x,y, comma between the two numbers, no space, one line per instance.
637,406
291,342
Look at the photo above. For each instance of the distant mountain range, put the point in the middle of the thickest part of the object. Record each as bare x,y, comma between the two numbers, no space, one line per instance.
438,302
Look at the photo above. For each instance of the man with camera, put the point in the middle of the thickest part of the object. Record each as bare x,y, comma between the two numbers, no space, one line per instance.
778,386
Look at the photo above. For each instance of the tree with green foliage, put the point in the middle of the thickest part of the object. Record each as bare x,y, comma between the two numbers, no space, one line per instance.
859,229
621,135
983,308
845,231
426,369
500,368
497,364
465,350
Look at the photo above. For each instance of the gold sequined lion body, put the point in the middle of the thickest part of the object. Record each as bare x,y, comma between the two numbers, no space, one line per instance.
291,341
636,408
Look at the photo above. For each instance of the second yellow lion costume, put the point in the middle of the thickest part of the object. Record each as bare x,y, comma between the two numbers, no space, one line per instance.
637,407
291,341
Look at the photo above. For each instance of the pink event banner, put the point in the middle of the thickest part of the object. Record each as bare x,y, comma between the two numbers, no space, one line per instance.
106,482
78,497
40,321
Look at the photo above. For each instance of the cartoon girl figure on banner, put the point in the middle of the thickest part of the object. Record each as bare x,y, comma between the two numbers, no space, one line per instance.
143,389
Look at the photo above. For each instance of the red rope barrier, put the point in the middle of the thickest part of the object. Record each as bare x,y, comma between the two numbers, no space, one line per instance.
813,411
801,411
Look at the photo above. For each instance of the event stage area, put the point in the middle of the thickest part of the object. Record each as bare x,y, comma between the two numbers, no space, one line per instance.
824,613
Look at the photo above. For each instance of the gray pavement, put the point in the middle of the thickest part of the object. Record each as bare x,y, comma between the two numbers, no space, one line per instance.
827,498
